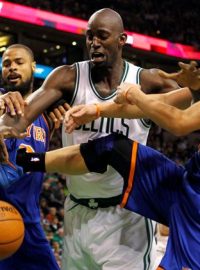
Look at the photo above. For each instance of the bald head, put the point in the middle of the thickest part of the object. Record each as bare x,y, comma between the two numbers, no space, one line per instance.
109,17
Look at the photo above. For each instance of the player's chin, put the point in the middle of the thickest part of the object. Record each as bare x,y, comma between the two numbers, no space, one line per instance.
98,63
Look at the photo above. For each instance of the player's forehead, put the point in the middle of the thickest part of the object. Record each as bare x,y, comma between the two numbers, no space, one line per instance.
99,23
15,53
105,21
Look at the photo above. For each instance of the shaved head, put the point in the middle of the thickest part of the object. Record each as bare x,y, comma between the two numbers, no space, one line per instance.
20,46
108,17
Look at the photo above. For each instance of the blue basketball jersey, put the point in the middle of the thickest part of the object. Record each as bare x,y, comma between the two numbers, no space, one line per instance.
24,194
158,188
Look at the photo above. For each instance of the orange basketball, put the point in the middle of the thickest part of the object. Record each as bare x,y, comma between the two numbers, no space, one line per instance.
11,230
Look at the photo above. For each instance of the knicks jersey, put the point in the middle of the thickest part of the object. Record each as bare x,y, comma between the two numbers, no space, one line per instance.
92,185
24,194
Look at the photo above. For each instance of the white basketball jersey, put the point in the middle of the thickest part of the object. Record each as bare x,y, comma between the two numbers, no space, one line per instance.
109,184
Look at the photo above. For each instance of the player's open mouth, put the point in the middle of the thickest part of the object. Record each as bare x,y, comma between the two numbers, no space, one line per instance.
13,78
98,57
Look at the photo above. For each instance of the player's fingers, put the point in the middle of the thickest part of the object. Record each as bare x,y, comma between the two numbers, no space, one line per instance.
9,106
70,128
20,103
62,110
166,75
192,66
78,113
57,124
53,118
185,66
193,63
14,133
66,106
14,102
2,105
55,121
59,114
16,107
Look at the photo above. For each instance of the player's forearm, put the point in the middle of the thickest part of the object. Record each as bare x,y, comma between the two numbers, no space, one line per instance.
66,160
111,109
163,115
180,98
37,103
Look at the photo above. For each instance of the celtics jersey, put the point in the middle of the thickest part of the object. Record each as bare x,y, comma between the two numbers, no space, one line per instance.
92,185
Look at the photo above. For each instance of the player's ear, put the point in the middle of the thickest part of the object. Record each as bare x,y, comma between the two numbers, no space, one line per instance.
33,66
122,38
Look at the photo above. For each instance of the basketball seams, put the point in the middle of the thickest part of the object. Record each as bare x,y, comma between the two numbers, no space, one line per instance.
13,241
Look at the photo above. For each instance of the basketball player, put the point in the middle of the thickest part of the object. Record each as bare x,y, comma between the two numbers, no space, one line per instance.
18,66
154,186
96,238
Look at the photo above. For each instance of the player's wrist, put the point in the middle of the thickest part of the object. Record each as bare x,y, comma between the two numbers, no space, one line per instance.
31,162
127,96
98,110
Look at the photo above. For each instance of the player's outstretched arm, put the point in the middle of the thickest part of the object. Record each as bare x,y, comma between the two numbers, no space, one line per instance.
121,108
67,160
188,75
176,121
82,114
51,91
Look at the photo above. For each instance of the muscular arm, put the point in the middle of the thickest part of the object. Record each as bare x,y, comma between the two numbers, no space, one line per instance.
176,121
66,160
165,90
60,82
151,83
178,98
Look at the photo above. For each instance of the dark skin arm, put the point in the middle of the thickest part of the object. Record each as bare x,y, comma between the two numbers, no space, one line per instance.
60,83
153,83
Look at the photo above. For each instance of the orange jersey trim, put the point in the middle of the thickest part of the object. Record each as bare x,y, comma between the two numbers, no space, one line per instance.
160,268
131,174
45,120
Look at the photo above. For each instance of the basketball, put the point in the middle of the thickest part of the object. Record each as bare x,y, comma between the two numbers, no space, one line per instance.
11,230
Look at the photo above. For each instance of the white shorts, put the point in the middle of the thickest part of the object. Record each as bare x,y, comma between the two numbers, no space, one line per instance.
106,238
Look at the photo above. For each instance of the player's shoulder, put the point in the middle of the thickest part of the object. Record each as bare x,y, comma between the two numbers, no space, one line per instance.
151,81
62,75
151,74
64,69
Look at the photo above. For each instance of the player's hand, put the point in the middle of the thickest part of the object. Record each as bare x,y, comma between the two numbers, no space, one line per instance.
10,132
79,115
188,76
57,115
2,106
13,102
127,93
